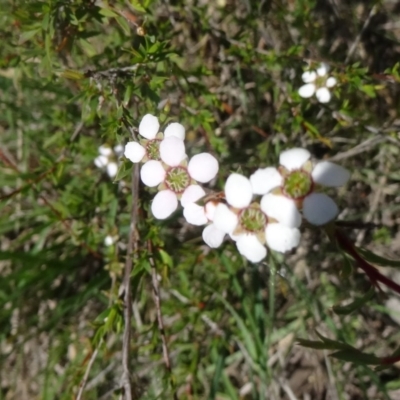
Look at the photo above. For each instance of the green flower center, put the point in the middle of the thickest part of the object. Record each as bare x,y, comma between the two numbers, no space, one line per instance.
153,149
253,220
297,184
177,179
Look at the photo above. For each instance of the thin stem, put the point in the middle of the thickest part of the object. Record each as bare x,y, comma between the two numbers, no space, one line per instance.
126,287
157,301
87,372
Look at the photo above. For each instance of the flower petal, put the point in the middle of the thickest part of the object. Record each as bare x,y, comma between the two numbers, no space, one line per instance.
134,152
100,161
191,194
195,214
330,82
203,167
105,150
323,95
149,126
294,158
265,179
238,191
319,209
282,209
209,209
323,69
329,174
307,90
112,169
172,151
175,129
250,247
212,236
164,204
109,240
309,76
152,173
224,219
281,238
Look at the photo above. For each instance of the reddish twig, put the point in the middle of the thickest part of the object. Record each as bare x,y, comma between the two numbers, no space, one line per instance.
373,274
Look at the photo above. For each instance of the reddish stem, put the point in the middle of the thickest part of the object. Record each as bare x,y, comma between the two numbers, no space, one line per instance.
373,274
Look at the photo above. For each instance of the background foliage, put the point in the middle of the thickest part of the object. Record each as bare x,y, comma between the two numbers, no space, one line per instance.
78,74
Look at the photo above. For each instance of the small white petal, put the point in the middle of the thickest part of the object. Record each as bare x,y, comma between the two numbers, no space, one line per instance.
307,90
203,167
164,204
329,174
225,219
109,240
105,150
265,179
191,194
100,161
309,76
323,95
172,151
209,209
319,209
323,69
250,247
134,152
149,126
112,169
238,191
294,158
175,129
212,236
152,173
118,149
282,209
330,82
281,238
195,214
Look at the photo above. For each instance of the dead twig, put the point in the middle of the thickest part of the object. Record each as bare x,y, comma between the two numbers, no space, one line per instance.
126,381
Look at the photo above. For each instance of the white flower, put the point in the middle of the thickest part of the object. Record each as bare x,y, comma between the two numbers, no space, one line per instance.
148,147
249,225
109,240
106,159
293,186
317,82
177,178
202,215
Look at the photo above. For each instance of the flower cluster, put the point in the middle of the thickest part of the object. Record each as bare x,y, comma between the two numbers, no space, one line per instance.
108,159
317,82
165,165
260,212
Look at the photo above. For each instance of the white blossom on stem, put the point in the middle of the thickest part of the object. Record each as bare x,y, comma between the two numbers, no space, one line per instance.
177,179
294,186
249,225
108,159
202,215
148,146
317,82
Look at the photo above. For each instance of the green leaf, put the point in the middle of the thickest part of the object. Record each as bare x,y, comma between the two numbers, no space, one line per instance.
124,170
123,23
357,357
72,74
166,258
356,304
377,260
